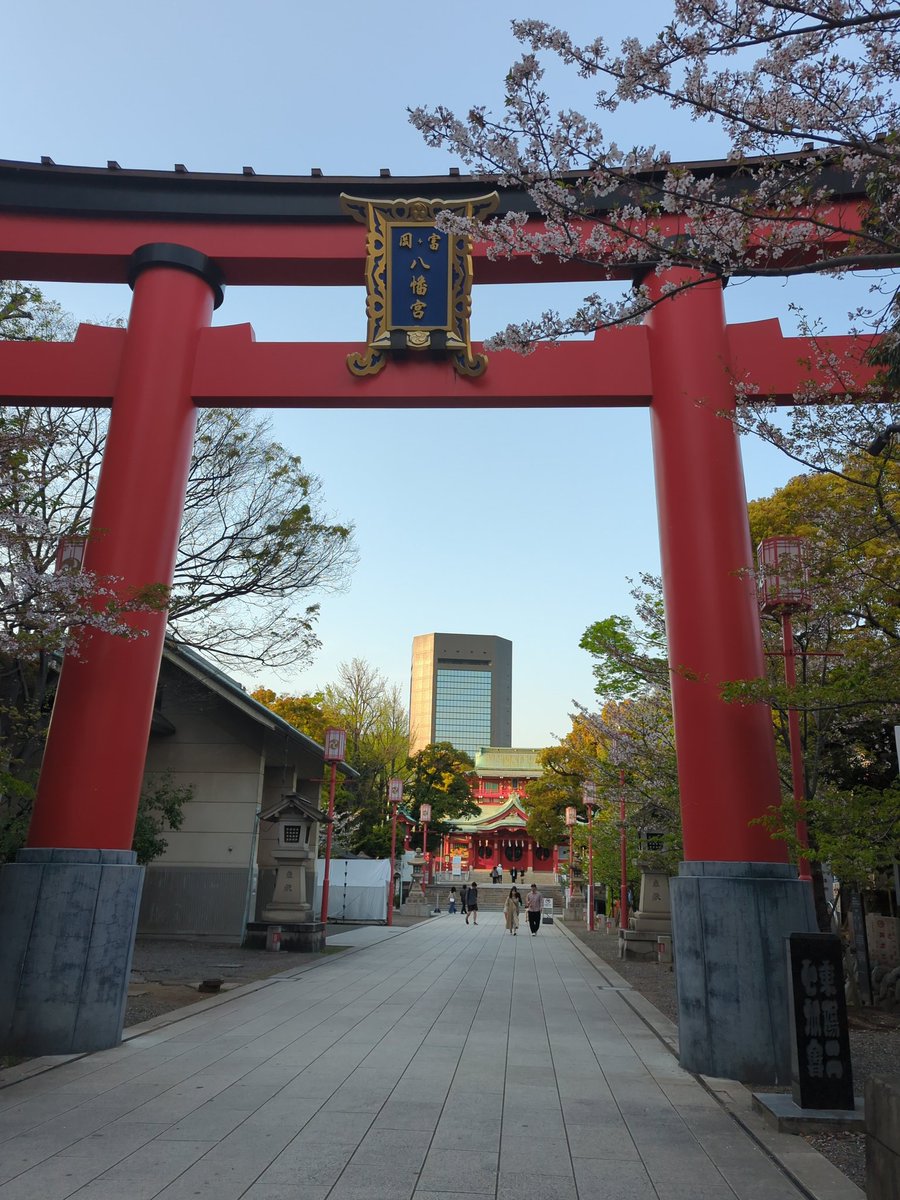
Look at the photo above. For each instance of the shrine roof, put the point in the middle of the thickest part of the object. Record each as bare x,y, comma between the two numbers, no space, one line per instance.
510,816
493,761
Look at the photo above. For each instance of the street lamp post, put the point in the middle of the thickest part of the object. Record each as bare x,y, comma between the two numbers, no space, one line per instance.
784,590
425,818
570,821
335,749
395,795
623,855
589,799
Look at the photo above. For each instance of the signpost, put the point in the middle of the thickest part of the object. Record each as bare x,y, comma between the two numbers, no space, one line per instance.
395,795
589,798
821,1074
425,818
335,749
570,821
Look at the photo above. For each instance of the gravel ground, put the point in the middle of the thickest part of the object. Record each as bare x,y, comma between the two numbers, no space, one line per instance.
874,1043
166,973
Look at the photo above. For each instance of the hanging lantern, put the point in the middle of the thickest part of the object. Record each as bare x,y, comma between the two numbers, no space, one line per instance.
783,575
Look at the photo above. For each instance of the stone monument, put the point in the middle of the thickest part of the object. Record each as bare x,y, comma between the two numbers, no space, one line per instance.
652,920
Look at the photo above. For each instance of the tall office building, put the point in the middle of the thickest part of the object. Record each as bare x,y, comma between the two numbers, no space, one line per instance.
460,691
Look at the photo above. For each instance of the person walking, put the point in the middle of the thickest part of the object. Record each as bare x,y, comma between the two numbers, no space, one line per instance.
534,903
472,903
451,902
462,898
511,912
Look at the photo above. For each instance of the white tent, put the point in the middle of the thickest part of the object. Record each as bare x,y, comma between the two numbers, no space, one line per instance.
357,888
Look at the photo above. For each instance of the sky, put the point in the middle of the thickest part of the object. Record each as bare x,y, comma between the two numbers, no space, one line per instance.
523,524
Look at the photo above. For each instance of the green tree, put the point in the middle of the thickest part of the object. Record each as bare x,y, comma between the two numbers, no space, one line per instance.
305,713
442,776
634,725
161,808
848,688
565,767
371,711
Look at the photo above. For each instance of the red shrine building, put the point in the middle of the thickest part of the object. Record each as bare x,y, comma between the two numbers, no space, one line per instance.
497,837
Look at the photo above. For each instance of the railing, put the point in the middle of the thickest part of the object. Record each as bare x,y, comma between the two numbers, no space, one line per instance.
449,877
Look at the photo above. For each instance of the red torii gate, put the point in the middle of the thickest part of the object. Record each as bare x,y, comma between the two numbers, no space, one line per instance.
177,239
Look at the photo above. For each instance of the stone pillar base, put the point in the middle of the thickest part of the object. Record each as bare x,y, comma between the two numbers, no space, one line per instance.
883,1138
729,924
69,920
304,937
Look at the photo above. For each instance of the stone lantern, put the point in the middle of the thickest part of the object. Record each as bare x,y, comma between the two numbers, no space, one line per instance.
291,906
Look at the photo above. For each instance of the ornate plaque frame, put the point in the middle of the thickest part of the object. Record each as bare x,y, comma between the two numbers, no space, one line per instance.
402,239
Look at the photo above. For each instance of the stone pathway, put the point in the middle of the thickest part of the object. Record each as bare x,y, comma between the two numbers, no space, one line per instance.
440,1062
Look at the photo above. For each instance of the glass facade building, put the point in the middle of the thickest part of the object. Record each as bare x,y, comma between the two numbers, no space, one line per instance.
463,709
460,691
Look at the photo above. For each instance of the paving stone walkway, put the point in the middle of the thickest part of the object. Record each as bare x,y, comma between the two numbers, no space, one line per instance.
440,1062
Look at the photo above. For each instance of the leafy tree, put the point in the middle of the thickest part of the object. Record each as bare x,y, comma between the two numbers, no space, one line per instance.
440,775
161,807
254,540
635,724
631,659
371,710
848,689
303,712
564,768
26,316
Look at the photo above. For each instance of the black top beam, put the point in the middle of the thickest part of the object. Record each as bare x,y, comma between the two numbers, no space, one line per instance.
98,191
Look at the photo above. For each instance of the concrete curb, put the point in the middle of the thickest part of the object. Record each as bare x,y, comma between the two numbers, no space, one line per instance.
808,1170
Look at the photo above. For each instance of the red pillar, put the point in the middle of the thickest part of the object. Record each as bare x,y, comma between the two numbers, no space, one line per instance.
727,769
97,743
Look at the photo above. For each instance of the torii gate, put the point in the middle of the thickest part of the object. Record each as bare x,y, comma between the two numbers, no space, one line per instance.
71,899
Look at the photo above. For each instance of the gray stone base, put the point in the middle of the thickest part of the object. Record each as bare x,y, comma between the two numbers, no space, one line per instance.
307,937
729,925
883,1138
787,1116
418,905
638,945
69,920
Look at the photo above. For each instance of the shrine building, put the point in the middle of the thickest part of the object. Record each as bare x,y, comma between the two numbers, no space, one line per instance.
497,837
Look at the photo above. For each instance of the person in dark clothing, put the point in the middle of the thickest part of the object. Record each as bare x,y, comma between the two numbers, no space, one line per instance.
472,903
534,903
463,892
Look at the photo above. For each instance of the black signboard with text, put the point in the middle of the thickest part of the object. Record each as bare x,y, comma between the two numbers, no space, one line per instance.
820,1041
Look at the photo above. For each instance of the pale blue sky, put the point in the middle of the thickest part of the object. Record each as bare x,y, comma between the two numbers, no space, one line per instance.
521,524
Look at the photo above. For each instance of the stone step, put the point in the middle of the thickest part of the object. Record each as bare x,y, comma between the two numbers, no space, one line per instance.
492,897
